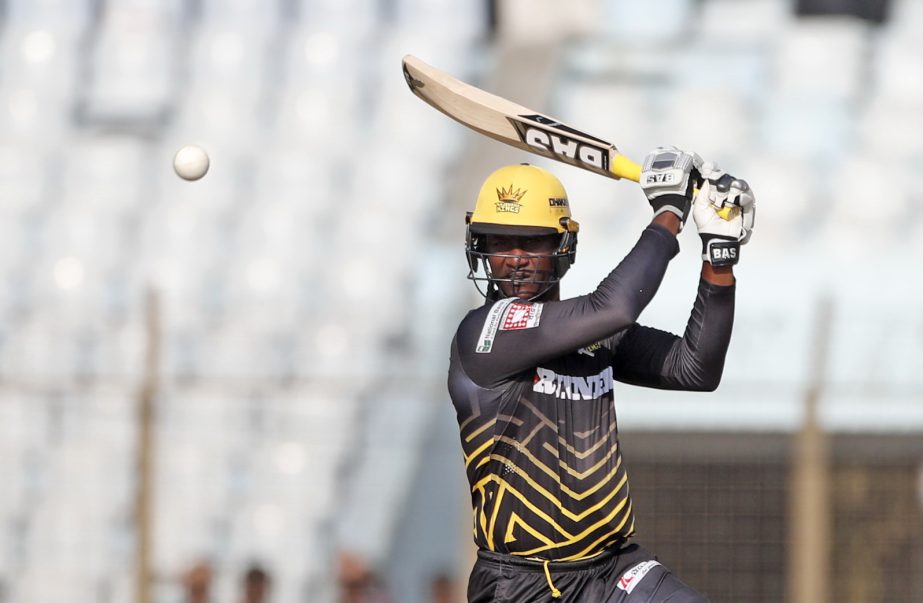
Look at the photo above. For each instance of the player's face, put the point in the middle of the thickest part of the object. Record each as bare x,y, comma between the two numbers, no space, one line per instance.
524,265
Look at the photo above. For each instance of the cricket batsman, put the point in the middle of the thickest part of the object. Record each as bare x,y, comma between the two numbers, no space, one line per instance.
531,378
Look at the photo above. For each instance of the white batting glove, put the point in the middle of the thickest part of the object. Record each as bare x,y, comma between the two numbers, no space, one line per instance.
724,211
668,177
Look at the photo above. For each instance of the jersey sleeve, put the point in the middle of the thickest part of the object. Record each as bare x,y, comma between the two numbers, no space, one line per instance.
500,340
693,362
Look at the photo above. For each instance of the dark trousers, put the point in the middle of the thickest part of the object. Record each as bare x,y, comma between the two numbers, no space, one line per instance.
626,575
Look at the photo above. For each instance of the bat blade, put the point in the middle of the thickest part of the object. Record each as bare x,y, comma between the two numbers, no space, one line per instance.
515,125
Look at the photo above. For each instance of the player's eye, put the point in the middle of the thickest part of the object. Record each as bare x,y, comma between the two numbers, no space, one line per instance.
535,245
500,243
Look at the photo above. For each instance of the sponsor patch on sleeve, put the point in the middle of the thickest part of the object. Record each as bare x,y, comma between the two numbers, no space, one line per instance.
632,577
591,349
521,315
491,324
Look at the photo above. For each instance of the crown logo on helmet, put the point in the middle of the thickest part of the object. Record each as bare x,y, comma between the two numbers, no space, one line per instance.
510,195
509,199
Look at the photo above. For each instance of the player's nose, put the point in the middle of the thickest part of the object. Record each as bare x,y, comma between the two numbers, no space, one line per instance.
518,257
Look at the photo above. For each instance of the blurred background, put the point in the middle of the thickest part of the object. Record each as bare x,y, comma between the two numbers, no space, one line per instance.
232,390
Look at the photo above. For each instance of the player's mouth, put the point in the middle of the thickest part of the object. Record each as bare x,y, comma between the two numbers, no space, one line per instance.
522,276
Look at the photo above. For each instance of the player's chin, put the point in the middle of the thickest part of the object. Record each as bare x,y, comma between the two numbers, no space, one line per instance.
517,289
526,290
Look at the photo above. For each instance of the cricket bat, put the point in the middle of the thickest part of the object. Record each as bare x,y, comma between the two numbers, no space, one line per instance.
516,125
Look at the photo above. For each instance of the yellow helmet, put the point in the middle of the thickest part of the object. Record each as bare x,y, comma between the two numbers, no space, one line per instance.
520,200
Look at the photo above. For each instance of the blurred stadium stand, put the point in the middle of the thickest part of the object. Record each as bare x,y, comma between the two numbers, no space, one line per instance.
310,284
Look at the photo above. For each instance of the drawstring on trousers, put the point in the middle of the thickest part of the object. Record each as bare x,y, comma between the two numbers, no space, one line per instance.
555,593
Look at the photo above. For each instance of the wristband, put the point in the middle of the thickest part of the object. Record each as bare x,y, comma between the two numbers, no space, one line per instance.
719,251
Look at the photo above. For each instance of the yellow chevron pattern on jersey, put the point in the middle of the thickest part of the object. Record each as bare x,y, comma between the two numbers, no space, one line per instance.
536,493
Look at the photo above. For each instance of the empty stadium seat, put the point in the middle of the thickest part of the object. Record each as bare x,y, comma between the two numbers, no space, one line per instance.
852,188
722,129
28,116
895,58
823,57
22,177
808,129
106,174
743,22
43,56
64,15
229,56
132,73
888,128
650,23
723,64
380,482
457,21
239,352
216,117
358,16
259,15
906,17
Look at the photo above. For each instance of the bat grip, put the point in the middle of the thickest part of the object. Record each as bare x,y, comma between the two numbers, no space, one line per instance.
623,167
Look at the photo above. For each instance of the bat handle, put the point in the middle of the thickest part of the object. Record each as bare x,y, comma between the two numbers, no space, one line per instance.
623,167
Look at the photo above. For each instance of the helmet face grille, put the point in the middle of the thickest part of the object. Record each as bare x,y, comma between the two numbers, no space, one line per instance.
478,261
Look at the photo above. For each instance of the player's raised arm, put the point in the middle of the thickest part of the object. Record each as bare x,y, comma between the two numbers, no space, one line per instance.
724,214
528,323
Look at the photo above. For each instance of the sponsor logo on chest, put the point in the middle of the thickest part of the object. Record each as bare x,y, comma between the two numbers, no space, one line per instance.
572,387
521,315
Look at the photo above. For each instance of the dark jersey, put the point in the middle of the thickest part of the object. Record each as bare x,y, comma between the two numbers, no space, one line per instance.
532,384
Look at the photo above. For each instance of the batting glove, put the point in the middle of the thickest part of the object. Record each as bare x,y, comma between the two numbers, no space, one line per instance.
668,178
724,210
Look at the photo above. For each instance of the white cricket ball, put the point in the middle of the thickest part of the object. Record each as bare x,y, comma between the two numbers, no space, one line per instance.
190,162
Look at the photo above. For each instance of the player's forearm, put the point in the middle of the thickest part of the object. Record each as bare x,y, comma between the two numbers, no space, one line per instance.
629,288
696,361
670,221
718,275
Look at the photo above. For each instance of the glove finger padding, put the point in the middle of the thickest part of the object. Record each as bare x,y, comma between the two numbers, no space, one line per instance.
747,203
724,213
668,177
